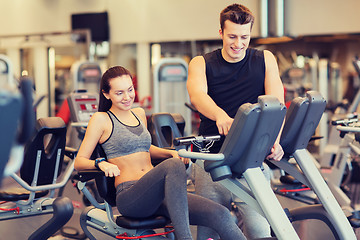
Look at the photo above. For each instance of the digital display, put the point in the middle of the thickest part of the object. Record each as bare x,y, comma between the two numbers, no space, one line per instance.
85,99
91,72
174,71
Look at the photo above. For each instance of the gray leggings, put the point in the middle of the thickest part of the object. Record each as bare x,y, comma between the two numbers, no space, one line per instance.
163,191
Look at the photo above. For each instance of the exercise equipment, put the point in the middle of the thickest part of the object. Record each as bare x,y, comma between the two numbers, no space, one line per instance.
349,147
39,178
86,75
164,127
301,121
6,73
240,156
169,88
341,161
343,111
333,175
100,216
335,162
82,105
17,123
83,101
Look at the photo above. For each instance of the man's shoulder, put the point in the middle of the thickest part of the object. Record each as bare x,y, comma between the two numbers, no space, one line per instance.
213,53
255,54
255,51
212,56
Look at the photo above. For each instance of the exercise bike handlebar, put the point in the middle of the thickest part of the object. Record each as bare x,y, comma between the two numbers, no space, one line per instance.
348,129
189,140
202,156
345,121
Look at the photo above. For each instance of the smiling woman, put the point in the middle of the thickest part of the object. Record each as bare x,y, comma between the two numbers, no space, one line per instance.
122,92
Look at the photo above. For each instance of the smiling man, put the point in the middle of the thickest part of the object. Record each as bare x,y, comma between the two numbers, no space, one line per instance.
221,81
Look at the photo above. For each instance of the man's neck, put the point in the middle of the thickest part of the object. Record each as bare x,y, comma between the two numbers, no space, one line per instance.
232,60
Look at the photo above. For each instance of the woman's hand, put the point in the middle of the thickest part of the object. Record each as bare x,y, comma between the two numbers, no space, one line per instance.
175,154
110,170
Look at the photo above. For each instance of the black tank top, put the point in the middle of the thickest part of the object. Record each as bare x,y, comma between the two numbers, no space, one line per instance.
232,84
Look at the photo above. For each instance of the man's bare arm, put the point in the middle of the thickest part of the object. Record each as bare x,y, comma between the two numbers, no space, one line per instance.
197,89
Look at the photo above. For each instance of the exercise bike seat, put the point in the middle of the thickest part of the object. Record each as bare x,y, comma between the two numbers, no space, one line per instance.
41,154
107,191
163,128
40,175
17,193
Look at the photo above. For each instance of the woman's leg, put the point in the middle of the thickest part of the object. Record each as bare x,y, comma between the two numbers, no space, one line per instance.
164,184
205,212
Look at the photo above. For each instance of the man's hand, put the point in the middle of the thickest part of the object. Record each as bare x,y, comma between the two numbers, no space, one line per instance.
276,152
223,124
110,170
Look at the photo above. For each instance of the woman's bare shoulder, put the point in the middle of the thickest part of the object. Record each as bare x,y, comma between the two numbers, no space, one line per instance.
99,118
139,112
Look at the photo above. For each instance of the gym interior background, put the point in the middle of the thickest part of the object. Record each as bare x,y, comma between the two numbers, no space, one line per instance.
40,39
45,38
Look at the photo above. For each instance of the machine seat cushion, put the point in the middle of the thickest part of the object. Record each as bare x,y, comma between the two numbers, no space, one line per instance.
135,223
16,194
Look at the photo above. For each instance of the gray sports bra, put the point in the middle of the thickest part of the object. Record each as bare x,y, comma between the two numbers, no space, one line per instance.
124,139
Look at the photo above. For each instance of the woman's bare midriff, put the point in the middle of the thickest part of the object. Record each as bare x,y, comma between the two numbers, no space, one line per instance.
132,167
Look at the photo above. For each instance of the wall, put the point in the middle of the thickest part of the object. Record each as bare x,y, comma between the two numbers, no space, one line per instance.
309,17
131,21
135,23
169,20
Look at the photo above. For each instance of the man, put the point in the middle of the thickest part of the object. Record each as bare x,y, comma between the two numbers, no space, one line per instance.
220,82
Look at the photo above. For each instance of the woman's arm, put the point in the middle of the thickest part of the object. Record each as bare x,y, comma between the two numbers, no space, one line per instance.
162,153
94,132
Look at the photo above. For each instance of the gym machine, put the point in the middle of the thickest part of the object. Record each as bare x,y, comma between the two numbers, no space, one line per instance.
83,101
169,88
241,157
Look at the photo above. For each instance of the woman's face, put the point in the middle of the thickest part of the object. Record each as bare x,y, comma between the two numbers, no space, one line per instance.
122,93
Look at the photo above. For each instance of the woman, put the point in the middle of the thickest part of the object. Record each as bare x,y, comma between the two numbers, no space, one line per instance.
141,189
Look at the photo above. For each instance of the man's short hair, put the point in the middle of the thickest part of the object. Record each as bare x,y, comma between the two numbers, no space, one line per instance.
236,13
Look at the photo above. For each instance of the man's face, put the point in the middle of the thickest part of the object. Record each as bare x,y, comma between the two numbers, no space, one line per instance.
236,39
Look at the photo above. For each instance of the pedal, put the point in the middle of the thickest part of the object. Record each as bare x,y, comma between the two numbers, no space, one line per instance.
288,179
354,219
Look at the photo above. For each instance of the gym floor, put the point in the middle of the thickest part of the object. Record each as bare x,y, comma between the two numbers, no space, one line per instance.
23,227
